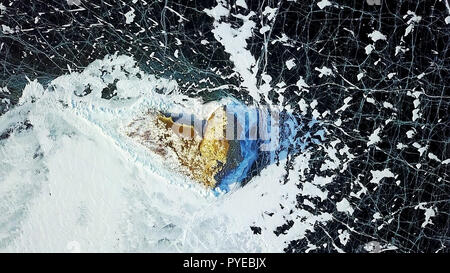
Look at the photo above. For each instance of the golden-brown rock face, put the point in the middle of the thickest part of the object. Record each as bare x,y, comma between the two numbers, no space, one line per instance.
199,158
214,147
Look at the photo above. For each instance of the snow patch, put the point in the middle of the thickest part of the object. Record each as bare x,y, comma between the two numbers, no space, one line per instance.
323,3
344,206
377,176
129,16
376,36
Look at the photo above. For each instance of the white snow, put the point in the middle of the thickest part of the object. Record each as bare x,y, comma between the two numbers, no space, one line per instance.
76,183
74,2
360,76
411,22
241,3
399,49
433,156
129,16
322,181
303,106
370,100
31,92
377,216
344,236
419,147
374,138
7,30
345,106
302,85
391,75
324,71
376,35
429,212
234,42
270,13
378,175
401,146
311,190
264,29
217,12
323,3
344,206
369,49
410,133
290,64
416,114
388,105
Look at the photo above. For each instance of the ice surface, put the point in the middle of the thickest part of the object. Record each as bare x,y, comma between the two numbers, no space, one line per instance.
84,182
365,80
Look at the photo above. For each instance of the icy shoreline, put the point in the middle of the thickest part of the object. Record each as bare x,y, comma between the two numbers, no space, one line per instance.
101,192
